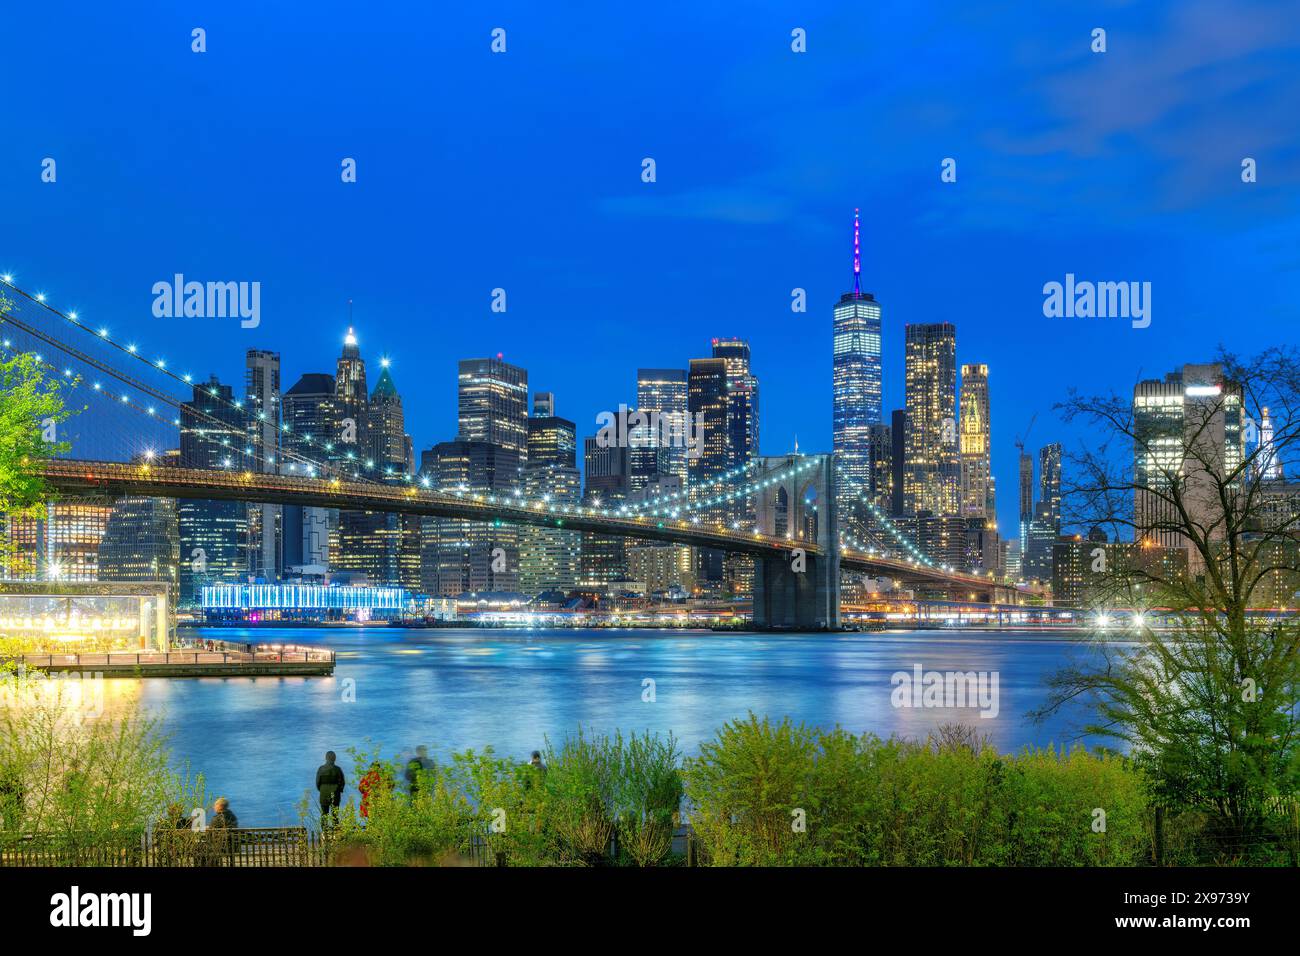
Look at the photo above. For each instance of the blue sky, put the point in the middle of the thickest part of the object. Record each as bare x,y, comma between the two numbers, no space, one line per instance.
522,171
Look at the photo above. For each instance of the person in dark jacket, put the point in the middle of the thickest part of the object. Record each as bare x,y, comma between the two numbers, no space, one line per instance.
417,765
329,785
222,816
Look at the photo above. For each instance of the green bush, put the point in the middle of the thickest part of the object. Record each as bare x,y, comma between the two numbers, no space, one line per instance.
763,794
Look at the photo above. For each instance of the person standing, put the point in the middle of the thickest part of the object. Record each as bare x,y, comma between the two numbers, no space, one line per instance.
329,786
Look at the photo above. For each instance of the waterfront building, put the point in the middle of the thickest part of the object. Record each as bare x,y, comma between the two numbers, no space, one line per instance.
60,543
856,386
931,472
1095,574
255,603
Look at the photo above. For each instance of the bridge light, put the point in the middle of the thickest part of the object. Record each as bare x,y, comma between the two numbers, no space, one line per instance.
40,297
7,277
103,333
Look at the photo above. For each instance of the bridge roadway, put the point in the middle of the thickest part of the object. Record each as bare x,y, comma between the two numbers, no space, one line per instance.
115,479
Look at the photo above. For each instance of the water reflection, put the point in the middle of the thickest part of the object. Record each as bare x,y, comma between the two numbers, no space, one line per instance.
258,740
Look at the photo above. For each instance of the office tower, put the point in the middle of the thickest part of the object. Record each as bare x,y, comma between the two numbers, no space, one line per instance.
708,406
1189,430
1026,497
880,486
1266,460
549,557
1011,560
492,400
61,543
351,404
383,546
931,473
387,427
898,455
608,474
262,402
856,386
977,501
469,556
742,400
141,541
665,392
213,534
551,440
977,495
742,448
1045,527
309,412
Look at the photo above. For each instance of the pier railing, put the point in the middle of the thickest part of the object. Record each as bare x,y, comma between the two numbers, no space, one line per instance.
143,659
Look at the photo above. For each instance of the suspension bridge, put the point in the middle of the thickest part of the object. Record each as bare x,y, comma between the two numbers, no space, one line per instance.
131,408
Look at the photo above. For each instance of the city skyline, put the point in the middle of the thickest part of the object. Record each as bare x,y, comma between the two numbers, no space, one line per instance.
550,207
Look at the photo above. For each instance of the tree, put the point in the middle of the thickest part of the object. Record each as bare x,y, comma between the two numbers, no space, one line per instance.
31,408
1207,699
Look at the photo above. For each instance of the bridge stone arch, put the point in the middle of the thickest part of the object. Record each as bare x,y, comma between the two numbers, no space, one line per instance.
798,506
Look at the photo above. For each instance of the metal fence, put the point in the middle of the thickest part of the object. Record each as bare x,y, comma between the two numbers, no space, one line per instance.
214,847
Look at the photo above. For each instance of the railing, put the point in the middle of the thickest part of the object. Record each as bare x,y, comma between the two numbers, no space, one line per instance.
213,847
144,659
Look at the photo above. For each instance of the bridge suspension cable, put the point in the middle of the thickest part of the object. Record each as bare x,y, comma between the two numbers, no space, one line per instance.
160,366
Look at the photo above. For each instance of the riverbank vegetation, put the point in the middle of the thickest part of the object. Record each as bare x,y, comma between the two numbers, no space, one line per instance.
777,793
1209,705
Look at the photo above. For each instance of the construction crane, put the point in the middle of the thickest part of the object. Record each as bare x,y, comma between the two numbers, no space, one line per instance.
1020,439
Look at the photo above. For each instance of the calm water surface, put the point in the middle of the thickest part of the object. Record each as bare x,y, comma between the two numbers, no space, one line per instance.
259,740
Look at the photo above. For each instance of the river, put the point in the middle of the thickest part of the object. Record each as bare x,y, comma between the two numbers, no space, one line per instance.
259,740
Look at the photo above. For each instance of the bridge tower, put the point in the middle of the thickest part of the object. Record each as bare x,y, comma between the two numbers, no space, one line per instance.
802,591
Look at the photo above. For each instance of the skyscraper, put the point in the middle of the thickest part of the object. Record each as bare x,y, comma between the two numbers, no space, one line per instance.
608,474
387,427
309,410
469,556
931,472
352,402
856,385
1045,528
742,401
213,534
1026,498
492,402
1189,430
708,406
664,391
977,500
262,400
548,557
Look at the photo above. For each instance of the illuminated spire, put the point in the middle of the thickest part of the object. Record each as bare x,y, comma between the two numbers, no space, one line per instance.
857,259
